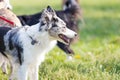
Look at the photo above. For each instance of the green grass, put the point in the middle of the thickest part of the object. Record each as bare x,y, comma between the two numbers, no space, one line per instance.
99,45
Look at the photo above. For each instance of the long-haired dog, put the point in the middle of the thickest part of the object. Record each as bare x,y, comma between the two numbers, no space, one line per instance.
9,19
26,47
71,15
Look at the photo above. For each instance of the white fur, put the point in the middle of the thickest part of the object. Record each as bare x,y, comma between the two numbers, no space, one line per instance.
38,51
5,4
8,5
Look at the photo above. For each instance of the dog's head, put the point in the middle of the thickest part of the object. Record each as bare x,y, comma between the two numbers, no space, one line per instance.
68,4
5,4
55,26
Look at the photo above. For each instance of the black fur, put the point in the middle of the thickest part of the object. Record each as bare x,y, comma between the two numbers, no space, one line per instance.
33,42
29,19
67,3
14,43
3,31
20,51
54,25
54,19
65,48
42,24
11,46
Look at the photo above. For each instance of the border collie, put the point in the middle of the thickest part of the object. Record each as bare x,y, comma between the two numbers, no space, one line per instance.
25,47
71,15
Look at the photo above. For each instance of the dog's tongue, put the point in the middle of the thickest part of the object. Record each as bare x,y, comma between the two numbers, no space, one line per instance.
64,38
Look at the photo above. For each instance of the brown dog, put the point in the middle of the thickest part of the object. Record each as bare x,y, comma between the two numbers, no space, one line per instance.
8,18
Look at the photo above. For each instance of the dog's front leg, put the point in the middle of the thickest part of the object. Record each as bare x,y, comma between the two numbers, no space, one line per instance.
33,74
23,72
14,68
13,72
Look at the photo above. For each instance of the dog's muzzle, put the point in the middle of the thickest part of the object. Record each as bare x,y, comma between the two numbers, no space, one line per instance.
65,38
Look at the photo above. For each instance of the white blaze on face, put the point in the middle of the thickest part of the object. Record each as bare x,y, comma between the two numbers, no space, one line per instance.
69,33
64,30
59,30
59,27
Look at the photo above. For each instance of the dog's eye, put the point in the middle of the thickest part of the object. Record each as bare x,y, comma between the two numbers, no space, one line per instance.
42,23
55,19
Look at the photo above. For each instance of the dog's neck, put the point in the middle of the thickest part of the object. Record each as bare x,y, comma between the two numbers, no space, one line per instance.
37,36
42,37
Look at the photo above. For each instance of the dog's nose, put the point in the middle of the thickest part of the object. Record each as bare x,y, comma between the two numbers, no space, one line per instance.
75,34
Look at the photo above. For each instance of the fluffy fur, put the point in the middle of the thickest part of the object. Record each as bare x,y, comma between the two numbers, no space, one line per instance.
71,14
9,15
5,11
26,46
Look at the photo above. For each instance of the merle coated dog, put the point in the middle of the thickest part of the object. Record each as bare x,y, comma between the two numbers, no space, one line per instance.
25,47
71,15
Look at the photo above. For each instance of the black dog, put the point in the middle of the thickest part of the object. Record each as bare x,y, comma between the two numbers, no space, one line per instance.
71,15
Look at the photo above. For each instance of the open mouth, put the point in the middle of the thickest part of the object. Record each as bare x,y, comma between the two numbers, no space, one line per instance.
64,38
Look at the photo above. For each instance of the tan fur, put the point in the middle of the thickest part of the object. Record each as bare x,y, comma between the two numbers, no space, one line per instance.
2,4
4,64
8,14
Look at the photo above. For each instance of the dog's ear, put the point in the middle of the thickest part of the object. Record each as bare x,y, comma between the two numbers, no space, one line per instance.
50,10
47,14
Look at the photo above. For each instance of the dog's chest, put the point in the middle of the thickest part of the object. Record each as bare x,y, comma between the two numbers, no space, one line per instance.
38,50
42,47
